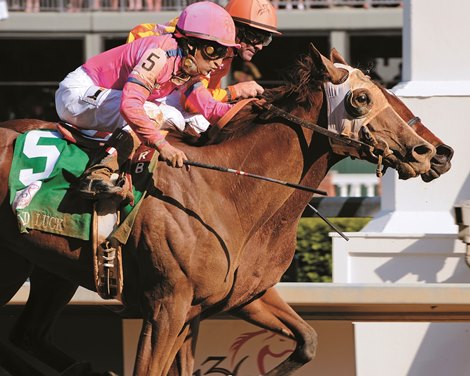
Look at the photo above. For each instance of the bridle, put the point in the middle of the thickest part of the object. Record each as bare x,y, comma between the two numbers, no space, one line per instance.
373,148
413,121
368,149
272,109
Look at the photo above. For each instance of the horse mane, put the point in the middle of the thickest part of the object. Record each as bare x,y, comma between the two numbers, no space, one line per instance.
302,82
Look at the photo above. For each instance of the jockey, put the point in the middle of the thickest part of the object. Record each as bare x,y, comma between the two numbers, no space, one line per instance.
115,89
255,21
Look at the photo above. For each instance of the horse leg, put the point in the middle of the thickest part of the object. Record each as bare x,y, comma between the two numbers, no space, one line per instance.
273,313
164,330
14,270
49,294
184,360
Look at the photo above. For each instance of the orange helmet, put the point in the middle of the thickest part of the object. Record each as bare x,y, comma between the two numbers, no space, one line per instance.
259,14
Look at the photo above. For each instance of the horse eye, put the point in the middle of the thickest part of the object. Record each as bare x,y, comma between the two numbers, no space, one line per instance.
362,98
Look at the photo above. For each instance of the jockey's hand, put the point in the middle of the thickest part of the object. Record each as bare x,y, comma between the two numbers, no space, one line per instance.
171,155
248,89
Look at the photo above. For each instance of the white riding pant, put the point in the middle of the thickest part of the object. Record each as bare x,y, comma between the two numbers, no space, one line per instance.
197,122
81,103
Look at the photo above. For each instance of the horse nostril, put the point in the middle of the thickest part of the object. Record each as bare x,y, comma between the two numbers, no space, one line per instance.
422,152
445,152
442,158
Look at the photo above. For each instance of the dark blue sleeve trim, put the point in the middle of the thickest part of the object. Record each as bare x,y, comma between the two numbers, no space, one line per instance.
137,82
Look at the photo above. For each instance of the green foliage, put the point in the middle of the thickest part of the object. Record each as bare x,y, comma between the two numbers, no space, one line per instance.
313,259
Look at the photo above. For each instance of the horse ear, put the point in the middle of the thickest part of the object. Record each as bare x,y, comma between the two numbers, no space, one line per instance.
336,57
316,56
337,75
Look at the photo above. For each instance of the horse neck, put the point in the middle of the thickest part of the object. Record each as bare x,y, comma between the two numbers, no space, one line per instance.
276,150
317,159
321,160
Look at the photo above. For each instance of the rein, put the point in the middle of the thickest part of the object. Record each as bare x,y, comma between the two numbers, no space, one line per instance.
312,126
370,149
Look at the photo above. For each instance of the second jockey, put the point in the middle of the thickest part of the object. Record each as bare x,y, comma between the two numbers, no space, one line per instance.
116,90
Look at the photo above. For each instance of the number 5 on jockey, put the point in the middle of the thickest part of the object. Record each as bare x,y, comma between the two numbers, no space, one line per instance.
114,89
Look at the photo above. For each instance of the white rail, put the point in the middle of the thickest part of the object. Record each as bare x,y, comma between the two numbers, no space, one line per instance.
344,301
355,185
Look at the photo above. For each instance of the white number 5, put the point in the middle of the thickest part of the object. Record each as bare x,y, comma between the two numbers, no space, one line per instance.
32,150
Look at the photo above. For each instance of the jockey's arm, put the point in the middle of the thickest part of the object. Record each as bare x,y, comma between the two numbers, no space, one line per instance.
136,90
199,100
237,91
232,92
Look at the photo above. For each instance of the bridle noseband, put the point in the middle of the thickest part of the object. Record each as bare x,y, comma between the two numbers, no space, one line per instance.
413,121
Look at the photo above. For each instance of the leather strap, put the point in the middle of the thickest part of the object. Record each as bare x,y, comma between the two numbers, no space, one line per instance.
73,135
233,111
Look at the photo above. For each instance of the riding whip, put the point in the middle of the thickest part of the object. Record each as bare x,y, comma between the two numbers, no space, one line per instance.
265,178
328,222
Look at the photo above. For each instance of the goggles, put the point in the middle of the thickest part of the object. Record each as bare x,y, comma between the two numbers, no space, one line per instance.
212,50
253,36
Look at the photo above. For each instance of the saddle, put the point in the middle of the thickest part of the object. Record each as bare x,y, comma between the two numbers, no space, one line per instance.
112,221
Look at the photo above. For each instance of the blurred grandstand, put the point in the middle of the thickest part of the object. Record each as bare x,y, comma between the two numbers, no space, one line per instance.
171,5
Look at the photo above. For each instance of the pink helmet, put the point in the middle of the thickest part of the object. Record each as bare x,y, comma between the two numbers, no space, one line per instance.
209,21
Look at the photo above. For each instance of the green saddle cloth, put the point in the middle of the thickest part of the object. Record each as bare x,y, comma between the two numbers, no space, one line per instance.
44,169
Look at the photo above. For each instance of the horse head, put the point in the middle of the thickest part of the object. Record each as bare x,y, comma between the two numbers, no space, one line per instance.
369,123
441,162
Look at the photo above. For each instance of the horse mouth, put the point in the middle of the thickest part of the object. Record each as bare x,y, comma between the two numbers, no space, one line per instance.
430,175
409,163
407,169
435,172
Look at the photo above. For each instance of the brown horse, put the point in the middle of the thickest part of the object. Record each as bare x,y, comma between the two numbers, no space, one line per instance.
198,234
